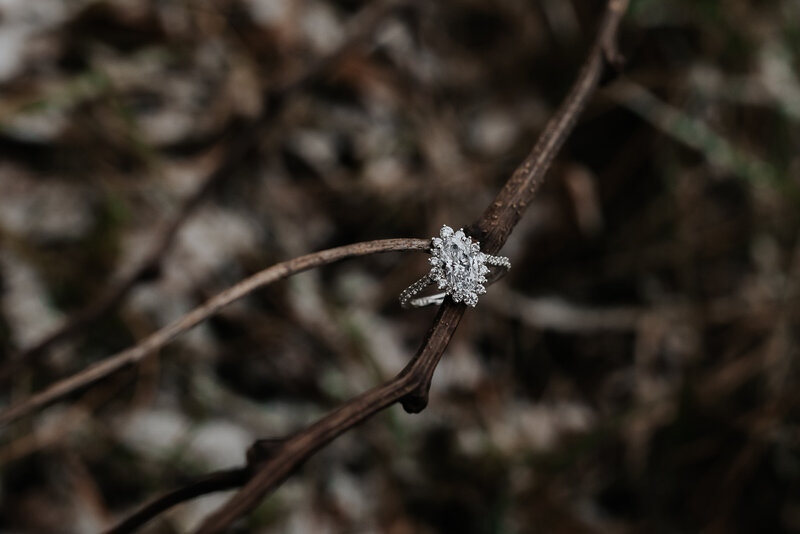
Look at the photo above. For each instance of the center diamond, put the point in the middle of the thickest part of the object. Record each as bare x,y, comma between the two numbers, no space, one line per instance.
458,266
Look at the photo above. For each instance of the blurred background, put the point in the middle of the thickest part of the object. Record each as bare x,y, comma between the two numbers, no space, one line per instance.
635,372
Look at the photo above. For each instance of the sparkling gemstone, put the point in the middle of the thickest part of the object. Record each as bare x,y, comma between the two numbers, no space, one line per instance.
458,266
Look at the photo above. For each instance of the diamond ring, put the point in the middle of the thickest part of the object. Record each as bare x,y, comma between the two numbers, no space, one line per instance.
459,268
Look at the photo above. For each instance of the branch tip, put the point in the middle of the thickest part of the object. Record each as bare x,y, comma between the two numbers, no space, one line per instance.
415,402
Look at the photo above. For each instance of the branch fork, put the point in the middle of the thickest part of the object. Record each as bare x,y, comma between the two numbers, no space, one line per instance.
271,461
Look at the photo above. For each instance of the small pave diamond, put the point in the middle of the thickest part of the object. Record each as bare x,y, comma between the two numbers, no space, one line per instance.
458,268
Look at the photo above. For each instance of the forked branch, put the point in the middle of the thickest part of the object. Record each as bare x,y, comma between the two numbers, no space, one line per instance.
410,387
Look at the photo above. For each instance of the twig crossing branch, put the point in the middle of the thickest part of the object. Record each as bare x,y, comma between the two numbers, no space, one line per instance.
410,387
161,337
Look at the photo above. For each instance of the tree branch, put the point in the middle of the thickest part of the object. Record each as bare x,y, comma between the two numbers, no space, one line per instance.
158,339
410,387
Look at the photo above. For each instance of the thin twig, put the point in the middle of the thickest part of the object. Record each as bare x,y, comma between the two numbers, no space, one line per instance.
410,387
160,338
211,483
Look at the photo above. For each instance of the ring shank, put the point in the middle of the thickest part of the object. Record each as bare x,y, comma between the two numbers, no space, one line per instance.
408,297
430,300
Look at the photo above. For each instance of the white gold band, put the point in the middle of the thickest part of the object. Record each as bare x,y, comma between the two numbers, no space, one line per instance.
409,299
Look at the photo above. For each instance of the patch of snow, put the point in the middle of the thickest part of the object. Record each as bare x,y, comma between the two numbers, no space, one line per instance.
269,12
154,432
21,21
220,444
43,209
24,301
321,28
494,131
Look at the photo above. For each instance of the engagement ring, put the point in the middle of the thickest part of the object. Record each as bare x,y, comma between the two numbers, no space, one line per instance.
459,268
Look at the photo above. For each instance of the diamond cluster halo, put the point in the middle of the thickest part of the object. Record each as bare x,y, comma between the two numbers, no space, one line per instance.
458,267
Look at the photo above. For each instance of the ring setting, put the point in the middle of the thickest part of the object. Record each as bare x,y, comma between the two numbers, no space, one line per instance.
459,268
